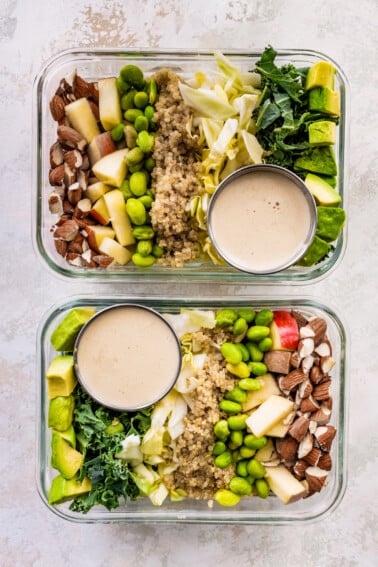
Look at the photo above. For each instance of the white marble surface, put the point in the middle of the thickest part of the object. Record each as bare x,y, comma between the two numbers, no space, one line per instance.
30,32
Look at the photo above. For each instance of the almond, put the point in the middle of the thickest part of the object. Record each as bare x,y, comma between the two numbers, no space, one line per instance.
76,245
307,363
82,208
57,108
80,87
316,375
321,391
88,257
86,165
323,349
56,155
68,208
56,175
305,446
325,462
82,177
287,448
61,247
328,403
319,326
84,222
300,319
55,203
321,416
291,380
67,231
95,109
305,347
299,469
306,332
295,359
309,404
305,389
299,428
73,159
75,259
103,261
324,436
316,478
71,138
69,175
93,89
74,193
326,364
313,456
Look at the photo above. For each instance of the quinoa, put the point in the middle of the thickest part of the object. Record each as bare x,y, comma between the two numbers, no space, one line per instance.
196,472
175,177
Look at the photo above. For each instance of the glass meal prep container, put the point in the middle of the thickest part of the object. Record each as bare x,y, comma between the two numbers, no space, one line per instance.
95,64
251,510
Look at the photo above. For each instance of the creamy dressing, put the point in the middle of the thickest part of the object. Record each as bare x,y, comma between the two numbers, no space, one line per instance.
260,221
128,357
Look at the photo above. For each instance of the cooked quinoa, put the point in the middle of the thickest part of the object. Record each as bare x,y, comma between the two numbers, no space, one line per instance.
175,178
196,472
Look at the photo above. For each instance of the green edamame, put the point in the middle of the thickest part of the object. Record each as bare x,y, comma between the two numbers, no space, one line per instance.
240,370
224,460
138,183
253,442
219,448
245,352
262,488
221,430
226,497
254,352
247,314
249,384
125,188
241,469
136,211
240,326
236,395
135,168
236,438
230,407
133,75
141,123
264,317
246,453
237,422
134,156
122,85
130,136
257,368
117,133
157,251
145,141
231,353
149,163
143,261
144,232
225,317
152,91
146,200
140,100
266,344
149,112
240,486
132,114
127,100
144,247
257,333
255,468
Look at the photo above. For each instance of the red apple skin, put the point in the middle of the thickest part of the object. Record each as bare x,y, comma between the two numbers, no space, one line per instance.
101,146
284,331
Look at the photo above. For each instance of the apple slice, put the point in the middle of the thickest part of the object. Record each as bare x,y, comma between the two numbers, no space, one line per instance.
118,216
278,430
81,117
100,146
268,414
112,168
100,212
96,235
284,331
96,190
109,103
120,254
257,397
284,484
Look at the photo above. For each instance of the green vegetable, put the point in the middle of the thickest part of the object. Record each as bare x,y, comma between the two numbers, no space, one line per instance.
224,460
236,395
240,486
317,250
226,498
219,448
230,407
136,211
264,317
257,333
318,160
132,75
330,222
138,182
143,261
117,132
221,430
140,99
250,384
255,468
231,353
225,317
262,488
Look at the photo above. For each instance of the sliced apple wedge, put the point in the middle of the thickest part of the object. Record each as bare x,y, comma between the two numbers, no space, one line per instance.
109,103
118,217
268,414
100,146
81,117
112,168
284,331
278,430
97,190
256,397
100,212
96,235
284,484
120,254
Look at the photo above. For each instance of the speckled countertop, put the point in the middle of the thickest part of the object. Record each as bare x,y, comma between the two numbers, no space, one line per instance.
31,32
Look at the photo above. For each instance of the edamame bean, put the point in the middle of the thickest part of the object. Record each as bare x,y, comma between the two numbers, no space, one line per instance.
224,460
264,317
236,395
243,349
144,247
221,430
254,352
140,99
231,353
247,314
257,333
241,469
132,114
145,141
149,112
249,384
257,368
246,453
146,200
133,75
127,100
136,211
125,188
236,438
255,468
219,448
134,156
144,232
149,163
122,85
138,183
141,123
230,407
226,497
152,91
253,442
117,133
240,370
143,261
237,422
225,317
130,136
266,344
157,251
240,486
240,326
135,168
262,488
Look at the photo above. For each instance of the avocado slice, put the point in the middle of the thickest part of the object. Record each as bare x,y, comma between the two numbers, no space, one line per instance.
63,337
63,489
322,99
323,193
318,160
69,435
317,250
322,74
61,379
330,179
322,133
330,222
64,458
60,412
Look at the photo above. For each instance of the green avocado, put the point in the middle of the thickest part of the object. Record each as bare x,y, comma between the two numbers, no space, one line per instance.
330,222
64,458
69,435
322,133
61,412
323,193
322,99
63,337
63,489
330,179
322,74
318,160
317,250
61,379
